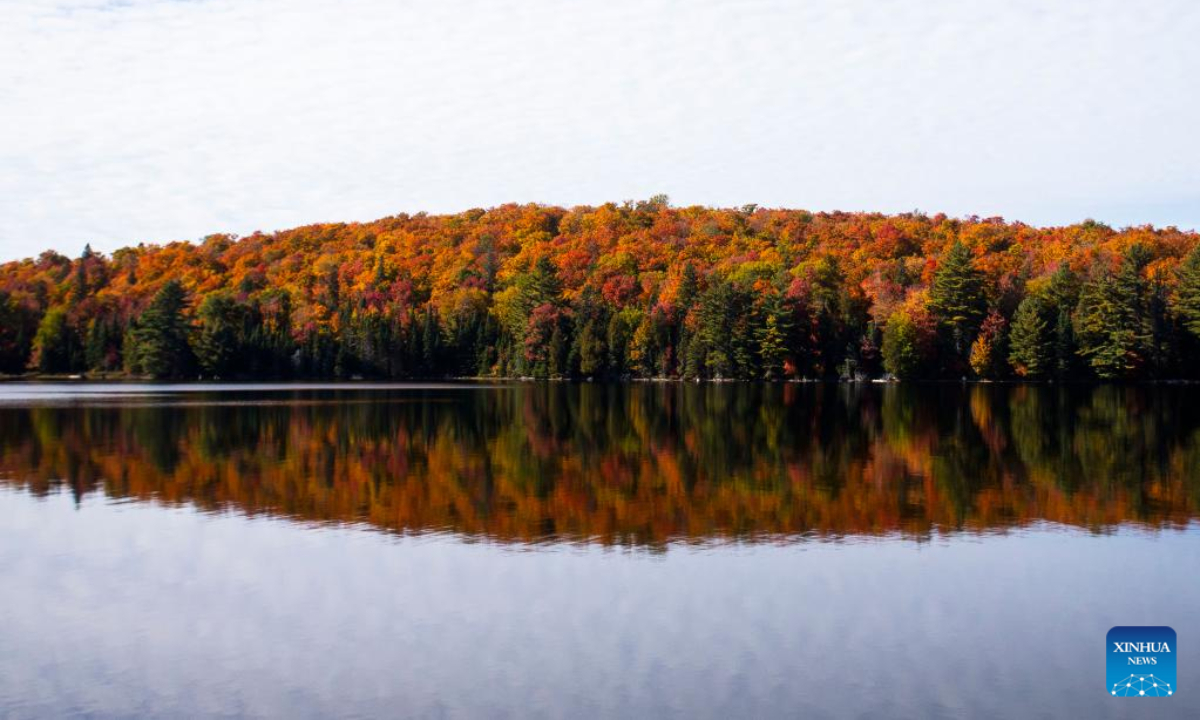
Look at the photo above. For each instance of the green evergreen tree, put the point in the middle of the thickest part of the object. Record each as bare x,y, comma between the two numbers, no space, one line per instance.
544,285
689,286
685,298
1030,349
94,344
18,324
957,299
621,326
1063,291
1061,300
216,347
159,342
772,347
1187,292
1113,326
713,334
829,308
1066,350
556,352
79,289
592,352
1164,338
694,356
102,346
432,350
644,346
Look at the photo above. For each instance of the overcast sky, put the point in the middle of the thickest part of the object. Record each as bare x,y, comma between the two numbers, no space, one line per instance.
157,120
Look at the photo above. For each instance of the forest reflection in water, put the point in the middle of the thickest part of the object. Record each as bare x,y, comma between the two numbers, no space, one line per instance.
640,464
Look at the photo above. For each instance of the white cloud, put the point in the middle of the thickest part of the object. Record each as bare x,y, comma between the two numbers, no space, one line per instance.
152,120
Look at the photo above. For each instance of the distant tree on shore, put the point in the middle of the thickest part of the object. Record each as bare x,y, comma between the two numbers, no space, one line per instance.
1031,353
158,340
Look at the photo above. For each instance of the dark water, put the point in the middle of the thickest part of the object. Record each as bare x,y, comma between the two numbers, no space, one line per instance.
555,550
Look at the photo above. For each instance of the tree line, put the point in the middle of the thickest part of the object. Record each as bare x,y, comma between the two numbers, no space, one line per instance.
620,291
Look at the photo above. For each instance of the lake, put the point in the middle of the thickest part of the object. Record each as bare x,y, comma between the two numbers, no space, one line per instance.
553,550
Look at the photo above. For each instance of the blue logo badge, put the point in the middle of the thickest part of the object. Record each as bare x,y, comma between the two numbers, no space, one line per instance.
1141,661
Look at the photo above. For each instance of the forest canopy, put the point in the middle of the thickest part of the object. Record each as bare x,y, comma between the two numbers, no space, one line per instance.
639,289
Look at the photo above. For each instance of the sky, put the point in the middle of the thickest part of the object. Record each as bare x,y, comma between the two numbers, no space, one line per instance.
156,120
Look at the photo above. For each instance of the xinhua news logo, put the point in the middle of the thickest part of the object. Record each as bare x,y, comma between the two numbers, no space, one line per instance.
1141,662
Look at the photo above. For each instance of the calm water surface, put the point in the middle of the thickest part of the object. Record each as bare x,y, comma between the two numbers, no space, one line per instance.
556,550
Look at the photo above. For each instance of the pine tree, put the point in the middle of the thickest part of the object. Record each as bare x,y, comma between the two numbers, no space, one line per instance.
957,298
1061,300
1063,291
1030,351
1187,292
621,326
159,343
1114,330
217,343
542,285
680,335
591,351
1066,349
714,331
829,316
103,344
556,352
643,347
1164,338
432,349
16,326
79,289
695,356
772,348
689,286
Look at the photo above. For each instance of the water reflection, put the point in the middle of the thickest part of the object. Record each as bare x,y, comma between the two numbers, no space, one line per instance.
639,464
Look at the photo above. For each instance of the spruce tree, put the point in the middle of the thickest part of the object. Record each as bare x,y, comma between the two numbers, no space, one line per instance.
1061,300
1031,352
216,344
829,307
159,344
432,350
1066,349
957,298
772,348
643,346
1187,292
680,336
102,342
79,289
621,326
1115,332
592,351
714,331
556,352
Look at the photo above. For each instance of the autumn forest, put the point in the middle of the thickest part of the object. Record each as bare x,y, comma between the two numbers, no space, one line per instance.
640,289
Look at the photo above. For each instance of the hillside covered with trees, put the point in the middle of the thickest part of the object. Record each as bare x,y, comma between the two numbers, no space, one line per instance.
633,290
